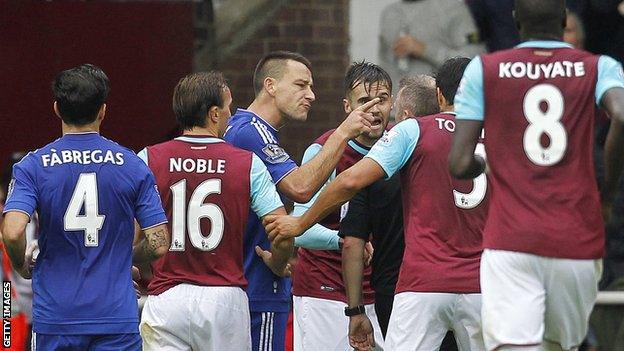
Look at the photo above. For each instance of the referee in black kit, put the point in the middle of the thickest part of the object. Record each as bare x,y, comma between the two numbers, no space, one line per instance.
376,214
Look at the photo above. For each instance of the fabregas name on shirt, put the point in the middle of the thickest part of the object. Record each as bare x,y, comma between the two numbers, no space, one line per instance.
83,157
190,165
536,71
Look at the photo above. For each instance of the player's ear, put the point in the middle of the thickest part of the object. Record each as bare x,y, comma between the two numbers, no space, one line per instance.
441,98
213,114
347,106
56,110
270,85
102,112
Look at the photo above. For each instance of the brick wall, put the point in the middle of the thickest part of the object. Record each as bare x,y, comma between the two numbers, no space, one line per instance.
319,30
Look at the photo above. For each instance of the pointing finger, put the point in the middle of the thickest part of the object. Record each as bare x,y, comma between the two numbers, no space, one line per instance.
369,104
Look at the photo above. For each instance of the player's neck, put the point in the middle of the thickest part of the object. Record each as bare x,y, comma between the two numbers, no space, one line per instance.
541,36
366,140
269,112
200,131
447,108
88,128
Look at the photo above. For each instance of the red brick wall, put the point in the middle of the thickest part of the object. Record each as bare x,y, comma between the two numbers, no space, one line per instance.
319,30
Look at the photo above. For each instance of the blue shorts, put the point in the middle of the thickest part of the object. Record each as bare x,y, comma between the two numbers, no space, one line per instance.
268,331
104,342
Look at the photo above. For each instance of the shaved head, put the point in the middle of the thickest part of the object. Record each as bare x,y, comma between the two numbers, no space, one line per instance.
274,65
540,19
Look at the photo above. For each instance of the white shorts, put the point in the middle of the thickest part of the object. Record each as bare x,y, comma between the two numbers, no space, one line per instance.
528,298
419,321
190,317
321,325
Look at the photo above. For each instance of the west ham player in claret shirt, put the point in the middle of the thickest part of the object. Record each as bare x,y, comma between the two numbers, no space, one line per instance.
438,285
87,191
319,296
196,299
544,236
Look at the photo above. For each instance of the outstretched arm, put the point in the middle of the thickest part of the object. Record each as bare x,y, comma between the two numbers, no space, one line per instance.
301,184
339,191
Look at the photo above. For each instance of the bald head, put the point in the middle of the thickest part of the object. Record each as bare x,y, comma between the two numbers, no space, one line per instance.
540,19
416,97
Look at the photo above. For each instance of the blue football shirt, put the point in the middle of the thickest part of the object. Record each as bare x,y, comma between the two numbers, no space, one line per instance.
266,291
87,191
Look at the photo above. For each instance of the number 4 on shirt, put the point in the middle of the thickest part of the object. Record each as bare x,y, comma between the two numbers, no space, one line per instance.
85,196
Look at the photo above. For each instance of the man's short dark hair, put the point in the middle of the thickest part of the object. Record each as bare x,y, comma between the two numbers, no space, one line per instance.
273,65
366,73
418,95
449,75
79,93
194,95
541,18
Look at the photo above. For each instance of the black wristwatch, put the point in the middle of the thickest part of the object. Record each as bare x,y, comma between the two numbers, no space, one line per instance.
354,311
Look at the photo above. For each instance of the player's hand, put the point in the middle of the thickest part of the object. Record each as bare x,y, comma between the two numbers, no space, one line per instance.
359,120
30,258
267,257
368,253
361,336
407,45
136,278
282,225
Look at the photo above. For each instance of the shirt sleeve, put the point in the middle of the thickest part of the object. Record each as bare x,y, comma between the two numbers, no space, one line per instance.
469,103
264,196
357,221
395,148
148,209
610,75
22,195
257,140
317,237
143,156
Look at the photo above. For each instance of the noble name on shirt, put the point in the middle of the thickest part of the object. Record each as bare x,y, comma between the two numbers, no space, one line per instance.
190,165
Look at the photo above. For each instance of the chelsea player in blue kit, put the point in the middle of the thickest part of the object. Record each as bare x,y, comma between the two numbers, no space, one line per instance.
283,88
87,191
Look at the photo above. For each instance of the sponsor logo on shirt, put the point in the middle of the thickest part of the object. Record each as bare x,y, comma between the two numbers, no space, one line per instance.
275,154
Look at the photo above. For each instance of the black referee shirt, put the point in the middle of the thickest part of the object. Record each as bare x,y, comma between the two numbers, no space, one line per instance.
377,211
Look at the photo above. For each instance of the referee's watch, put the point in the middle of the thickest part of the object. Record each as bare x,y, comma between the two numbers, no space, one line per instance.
354,311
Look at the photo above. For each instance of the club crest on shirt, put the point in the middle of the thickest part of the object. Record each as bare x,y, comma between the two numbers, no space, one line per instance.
275,154
388,137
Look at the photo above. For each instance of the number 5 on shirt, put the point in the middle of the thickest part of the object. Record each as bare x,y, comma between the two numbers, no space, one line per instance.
472,199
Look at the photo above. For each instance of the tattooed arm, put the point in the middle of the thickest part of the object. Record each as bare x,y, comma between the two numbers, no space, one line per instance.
153,246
